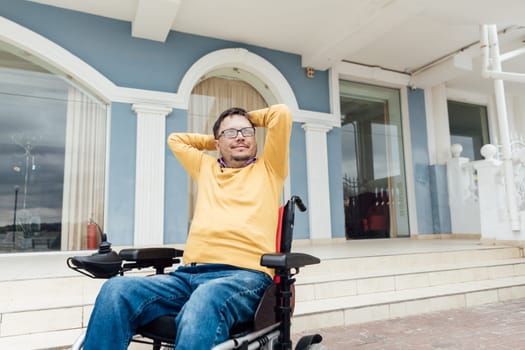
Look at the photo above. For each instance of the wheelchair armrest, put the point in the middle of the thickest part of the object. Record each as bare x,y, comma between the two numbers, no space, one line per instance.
159,258
142,254
288,260
97,265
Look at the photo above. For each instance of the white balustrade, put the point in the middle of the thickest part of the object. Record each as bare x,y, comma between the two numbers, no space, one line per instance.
478,194
463,194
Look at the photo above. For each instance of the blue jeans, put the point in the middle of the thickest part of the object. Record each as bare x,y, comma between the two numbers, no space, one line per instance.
207,301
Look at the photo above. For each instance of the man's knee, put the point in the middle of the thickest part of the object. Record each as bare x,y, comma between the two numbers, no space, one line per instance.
116,288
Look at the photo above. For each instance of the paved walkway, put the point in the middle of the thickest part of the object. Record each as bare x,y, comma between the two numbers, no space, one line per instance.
492,326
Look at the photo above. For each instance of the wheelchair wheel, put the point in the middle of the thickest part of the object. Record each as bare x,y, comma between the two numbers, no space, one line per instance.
310,342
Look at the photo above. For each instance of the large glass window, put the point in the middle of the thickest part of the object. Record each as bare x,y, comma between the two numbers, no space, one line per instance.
469,127
52,158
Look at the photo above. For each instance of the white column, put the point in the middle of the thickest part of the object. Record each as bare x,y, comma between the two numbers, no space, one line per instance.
318,181
149,183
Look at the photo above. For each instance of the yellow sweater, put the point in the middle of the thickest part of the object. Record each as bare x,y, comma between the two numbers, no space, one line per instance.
236,210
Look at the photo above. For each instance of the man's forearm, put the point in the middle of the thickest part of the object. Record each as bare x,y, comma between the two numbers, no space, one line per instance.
269,117
182,141
278,120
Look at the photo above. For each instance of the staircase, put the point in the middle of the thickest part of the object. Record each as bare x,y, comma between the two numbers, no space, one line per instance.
383,283
45,305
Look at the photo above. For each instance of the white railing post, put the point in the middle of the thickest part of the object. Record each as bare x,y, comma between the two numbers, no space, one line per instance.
495,223
462,194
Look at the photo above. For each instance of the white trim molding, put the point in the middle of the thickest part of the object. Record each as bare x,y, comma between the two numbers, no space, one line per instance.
318,180
377,75
310,117
70,67
243,59
149,182
56,58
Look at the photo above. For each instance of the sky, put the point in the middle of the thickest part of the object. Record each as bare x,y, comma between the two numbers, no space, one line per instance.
32,139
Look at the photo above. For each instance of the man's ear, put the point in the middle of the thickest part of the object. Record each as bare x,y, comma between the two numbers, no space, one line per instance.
216,142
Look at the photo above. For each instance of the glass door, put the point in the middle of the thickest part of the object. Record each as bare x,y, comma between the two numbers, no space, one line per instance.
469,127
373,166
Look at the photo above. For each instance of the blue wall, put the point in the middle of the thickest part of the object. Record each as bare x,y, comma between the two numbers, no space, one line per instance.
176,186
433,211
440,207
122,165
298,179
420,159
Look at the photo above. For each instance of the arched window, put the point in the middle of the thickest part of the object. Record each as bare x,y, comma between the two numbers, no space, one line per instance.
52,157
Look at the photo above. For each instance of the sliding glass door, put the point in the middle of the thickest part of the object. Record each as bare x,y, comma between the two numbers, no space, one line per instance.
374,184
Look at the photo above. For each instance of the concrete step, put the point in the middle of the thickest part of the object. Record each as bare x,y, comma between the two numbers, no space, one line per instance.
46,340
382,282
358,282
369,264
358,289
388,305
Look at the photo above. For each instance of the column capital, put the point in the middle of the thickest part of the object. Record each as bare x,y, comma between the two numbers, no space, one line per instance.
151,109
316,127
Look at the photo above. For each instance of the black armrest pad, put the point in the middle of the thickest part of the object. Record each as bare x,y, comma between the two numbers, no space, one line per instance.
144,254
288,260
97,265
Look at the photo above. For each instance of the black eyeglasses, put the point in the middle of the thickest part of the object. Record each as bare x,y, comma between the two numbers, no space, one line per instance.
232,133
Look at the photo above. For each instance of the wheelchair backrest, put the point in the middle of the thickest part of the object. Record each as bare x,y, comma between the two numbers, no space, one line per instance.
266,313
285,225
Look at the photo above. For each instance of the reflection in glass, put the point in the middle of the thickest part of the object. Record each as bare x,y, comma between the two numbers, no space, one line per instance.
469,127
373,165
45,122
31,165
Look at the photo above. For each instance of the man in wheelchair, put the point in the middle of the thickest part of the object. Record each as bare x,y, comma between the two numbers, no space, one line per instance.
221,280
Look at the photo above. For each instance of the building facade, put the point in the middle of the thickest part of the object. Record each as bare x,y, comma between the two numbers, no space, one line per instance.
142,91
86,111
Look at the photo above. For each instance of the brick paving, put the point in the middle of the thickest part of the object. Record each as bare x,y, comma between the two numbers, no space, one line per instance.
491,326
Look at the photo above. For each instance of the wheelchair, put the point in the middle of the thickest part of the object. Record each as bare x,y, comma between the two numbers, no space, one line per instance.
270,327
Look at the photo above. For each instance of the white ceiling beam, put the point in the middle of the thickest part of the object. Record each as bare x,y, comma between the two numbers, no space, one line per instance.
365,25
450,68
154,19
351,71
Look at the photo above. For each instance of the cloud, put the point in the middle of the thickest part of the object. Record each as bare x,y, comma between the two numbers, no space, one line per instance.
32,139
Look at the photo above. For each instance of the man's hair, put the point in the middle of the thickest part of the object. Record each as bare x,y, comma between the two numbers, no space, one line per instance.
228,113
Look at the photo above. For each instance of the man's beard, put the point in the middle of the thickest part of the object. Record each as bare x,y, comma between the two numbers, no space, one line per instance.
243,158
